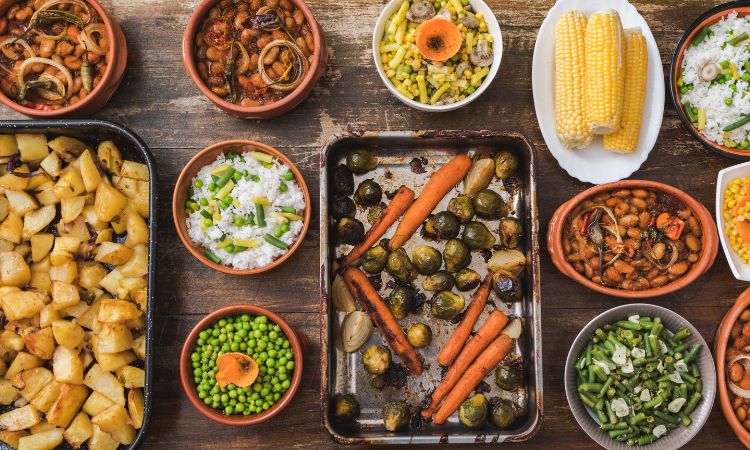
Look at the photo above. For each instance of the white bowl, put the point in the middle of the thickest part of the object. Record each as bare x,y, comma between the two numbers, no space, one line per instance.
740,269
672,322
594,164
497,50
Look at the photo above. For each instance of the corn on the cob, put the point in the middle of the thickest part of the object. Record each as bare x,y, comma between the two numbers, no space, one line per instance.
570,122
625,139
605,72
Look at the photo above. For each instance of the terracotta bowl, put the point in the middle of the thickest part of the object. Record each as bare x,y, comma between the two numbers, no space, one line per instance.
720,350
709,240
208,156
283,106
299,343
118,49
708,18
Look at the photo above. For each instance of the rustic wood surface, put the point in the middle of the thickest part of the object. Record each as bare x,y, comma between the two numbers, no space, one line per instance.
160,103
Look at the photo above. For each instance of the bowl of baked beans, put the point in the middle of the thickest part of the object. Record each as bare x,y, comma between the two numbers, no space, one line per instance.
633,239
59,58
254,58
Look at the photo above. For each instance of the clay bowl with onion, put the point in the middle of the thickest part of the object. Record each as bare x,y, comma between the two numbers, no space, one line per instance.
740,310
115,53
294,91
208,156
708,240
299,344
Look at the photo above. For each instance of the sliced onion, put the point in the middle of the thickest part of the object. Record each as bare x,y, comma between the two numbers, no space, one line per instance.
736,390
52,3
244,64
88,41
300,57
57,37
52,95
21,82
21,42
614,220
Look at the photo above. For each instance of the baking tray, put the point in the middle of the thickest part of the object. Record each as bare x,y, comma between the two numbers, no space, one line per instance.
342,372
133,148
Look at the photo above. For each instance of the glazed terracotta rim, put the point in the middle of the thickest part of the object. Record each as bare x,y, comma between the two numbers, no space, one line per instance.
107,78
188,384
186,178
290,100
708,18
720,348
709,240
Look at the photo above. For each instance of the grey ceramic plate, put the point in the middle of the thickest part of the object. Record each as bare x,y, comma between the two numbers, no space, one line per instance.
672,322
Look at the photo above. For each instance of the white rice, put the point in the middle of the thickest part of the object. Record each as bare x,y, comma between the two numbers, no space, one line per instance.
712,98
246,191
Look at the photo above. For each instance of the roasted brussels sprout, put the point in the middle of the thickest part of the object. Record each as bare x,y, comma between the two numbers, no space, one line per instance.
426,259
473,412
361,161
346,407
439,281
507,286
350,230
376,359
419,335
505,164
477,236
373,261
399,266
343,180
376,381
462,208
456,255
510,232
510,373
446,305
343,207
395,415
368,193
488,204
503,414
443,225
401,301
467,279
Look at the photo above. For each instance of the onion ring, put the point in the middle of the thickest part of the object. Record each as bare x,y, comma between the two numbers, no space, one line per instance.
301,58
89,42
21,82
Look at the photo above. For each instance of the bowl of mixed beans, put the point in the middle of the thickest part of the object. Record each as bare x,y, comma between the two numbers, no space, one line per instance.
254,58
633,239
59,57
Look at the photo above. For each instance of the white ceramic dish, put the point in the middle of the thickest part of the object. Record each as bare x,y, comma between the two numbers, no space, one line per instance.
672,322
492,26
740,269
594,164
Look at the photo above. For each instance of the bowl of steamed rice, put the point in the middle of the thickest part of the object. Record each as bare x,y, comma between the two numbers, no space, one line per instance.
241,207
710,79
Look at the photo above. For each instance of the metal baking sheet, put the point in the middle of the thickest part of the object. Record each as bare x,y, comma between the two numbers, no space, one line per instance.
133,148
342,372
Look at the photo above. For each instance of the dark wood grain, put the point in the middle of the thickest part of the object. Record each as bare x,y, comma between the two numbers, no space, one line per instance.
160,103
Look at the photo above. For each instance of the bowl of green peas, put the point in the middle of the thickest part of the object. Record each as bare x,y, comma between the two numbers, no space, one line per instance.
257,332
640,375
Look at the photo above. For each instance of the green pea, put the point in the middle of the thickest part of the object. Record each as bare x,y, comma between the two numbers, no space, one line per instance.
276,396
285,227
285,384
229,410
470,90
728,101
290,365
239,408
283,187
288,176
198,183
212,187
208,222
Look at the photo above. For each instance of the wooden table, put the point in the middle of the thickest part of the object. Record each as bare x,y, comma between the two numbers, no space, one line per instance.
160,103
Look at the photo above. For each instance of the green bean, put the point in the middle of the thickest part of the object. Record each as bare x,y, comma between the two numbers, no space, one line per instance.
275,242
599,373
653,402
288,209
667,417
698,39
688,108
638,418
693,352
215,259
738,39
615,433
680,335
692,403
605,387
586,400
646,439
614,426
588,355
611,414
260,215
628,325
733,126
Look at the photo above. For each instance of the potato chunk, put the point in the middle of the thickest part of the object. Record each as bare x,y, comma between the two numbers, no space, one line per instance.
30,382
20,202
113,253
23,361
22,304
67,333
132,169
105,383
46,440
89,171
131,377
64,295
32,147
116,422
72,397
41,244
109,202
114,338
117,311
20,418
69,184
101,441
79,431
40,343
67,365
12,228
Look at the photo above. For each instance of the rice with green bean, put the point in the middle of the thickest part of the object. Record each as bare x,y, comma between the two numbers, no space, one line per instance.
432,82
639,380
245,210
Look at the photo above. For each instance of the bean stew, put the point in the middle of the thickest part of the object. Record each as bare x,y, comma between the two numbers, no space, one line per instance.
254,52
632,239
53,53
738,368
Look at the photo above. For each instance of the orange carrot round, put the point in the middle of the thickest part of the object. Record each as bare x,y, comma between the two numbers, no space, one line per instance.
236,368
463,330
438,39
441,182
400,203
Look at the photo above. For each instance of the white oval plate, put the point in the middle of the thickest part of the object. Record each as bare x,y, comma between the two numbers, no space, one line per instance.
594,164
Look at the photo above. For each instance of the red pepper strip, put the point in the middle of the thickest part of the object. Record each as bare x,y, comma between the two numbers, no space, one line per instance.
652,222
586,222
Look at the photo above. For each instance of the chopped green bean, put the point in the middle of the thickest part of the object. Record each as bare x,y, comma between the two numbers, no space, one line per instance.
276,242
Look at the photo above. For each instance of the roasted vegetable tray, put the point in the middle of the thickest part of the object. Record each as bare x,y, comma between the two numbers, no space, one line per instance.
408,158
132,148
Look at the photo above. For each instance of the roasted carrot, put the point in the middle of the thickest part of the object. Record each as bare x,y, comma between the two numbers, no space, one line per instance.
368,298
463,330
432,193
490,357
489,330
400,203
